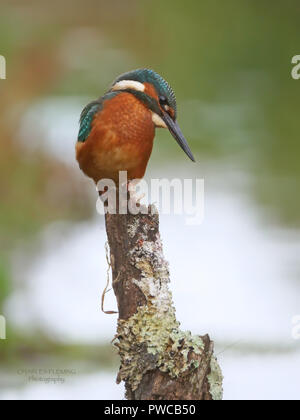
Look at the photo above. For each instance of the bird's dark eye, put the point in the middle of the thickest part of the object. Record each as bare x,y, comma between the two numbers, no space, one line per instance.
163,100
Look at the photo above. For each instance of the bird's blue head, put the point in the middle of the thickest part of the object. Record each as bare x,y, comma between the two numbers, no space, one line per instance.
151,89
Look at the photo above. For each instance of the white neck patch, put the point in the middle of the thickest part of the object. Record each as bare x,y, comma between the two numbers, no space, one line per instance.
158,122
129,84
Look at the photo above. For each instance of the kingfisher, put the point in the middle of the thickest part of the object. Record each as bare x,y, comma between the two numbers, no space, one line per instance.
117,130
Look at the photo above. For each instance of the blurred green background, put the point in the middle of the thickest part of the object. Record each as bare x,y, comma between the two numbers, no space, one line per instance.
230,66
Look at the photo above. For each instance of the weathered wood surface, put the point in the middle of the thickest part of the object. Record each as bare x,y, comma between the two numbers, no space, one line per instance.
158,360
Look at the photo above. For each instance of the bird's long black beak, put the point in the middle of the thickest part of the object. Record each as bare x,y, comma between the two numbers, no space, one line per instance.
177,134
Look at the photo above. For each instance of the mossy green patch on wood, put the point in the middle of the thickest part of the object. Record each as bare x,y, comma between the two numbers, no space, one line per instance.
148,341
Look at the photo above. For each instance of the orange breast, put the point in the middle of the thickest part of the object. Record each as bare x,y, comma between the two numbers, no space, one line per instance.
121,139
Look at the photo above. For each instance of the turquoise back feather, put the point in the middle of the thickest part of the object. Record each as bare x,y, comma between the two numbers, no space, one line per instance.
89,113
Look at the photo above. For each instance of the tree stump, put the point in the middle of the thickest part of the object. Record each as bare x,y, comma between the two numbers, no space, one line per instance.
158,360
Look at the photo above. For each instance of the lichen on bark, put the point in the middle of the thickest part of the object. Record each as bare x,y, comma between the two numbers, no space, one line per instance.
215,379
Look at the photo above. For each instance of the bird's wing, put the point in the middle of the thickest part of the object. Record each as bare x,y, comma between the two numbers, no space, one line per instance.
86,119
89,113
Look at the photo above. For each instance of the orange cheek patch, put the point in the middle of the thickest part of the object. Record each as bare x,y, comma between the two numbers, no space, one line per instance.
172,112
149,90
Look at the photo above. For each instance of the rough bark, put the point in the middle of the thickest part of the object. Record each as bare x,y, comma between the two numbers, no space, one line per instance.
158,360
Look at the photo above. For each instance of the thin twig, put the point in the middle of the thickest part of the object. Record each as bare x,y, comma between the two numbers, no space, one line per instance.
107,283
229,347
